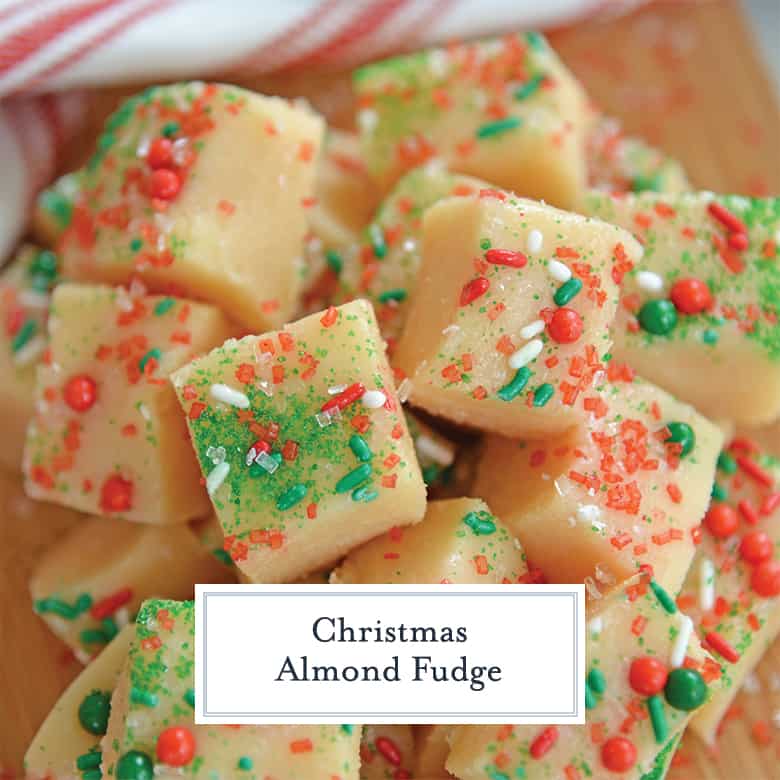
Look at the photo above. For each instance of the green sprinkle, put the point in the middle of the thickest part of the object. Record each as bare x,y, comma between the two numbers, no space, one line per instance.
516,386
334,261
347,728
529,88
24,335
567,291
536,40
726,463
93,636
655,706
147,698
495,774
136,244
590,698
485,244
377,238
223,556
543,394
152,353
397,294
56,204
681,433
245,763
44,264
710,336
430,473
365,494
652,183
353,479
291,497
189,696
93,712
110,628
106,141
170,128
360,447
497,128
165,305
89,760
597,681
665,600
481,523
62,608
718,492
92,774
658,317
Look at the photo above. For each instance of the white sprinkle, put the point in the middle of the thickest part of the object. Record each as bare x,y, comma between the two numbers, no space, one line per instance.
34,300
373,399
559,271
30,352
534,242
431,449
526,354
450,329
143,147
595,626
216,477
336,389
216,454
681,641
706,584
588,513
82,656
250,456
143,409
265,387
649,281
229,396
264,460
532,329
122,617
180,150
367,119
409,245
592,588
404,390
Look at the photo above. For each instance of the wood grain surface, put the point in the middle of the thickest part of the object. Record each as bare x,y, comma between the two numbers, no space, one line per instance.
687,77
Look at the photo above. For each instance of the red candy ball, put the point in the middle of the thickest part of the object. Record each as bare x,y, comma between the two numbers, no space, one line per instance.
80,392
618,754
160,154
176,746
647,675
756,547
116,495
766,579
164,184
691,296
721,521
565,326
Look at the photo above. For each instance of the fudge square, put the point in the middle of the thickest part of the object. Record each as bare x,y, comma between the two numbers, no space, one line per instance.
628,489
459,541
510,317
646,676
107,437
91,581
151,731
25,285
303,442
201,190
506,110
698,313
732,591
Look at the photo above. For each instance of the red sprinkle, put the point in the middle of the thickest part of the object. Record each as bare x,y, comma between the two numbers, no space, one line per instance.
473,290
730,221
754,471
110,604
506,257
80,392
388,750
739,242
721,646
346,397
544,742
116,494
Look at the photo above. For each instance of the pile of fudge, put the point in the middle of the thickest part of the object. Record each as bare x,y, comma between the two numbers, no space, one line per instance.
486,338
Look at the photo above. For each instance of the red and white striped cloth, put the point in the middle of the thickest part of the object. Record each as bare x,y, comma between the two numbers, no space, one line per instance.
59,46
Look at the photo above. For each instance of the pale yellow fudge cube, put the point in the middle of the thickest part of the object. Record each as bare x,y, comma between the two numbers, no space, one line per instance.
646,676
67,744
431,748
509,322
698,313
201,190
386,752
152,718
107,437
618,162
459,541
628,489
302,441
25,286
91,582
386,267
53,211
732,591
504,109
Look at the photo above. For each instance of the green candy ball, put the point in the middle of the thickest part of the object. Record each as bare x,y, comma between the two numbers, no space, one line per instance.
682,433
658,317
94,711
135,765
685,689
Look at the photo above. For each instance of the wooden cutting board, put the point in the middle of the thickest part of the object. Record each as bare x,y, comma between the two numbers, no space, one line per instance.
686,77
